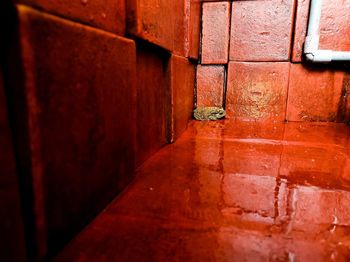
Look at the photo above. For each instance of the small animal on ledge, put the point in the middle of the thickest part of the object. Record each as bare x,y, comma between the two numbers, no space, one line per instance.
209,113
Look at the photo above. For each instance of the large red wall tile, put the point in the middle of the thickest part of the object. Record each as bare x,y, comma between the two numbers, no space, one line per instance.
161,22
180,95
108,14
314,94
215,32
193,19
257,91
80,115
11,224
210,85
334,26
261,30
150,102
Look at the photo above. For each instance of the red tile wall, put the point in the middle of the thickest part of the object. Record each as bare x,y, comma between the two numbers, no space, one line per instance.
334,26
166,23
150,116
108,15
215,32
319,92
261,30
193,18
257,91
80,89
91,105
180,92
271,34
315,94
210,85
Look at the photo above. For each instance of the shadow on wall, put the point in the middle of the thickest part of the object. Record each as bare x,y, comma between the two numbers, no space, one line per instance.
12,237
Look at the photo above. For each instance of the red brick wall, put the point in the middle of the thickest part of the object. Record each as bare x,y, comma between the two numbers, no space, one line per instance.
267,77
96,88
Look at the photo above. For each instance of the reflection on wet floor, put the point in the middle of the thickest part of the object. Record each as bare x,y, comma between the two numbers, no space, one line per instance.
232,191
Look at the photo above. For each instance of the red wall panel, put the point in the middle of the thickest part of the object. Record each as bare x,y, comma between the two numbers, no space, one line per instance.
79,112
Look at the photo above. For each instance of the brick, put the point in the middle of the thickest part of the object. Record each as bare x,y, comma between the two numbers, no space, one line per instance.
215,32
257,91
301,20
79,109
161,22
210,85
261,30
180,95
193,18
334,27
151,85
11,224
314,94
108,14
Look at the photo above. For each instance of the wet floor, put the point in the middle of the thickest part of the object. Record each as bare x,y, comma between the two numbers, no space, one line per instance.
232,191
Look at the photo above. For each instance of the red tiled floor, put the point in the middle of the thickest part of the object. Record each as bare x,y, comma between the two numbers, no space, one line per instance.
232,191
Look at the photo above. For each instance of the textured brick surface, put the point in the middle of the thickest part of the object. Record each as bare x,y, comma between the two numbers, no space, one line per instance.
161,22
257,91
80,102
334,26
150,103
261,30
193,19
301,20
315,94
11,227
107,14
215,32
181,78
210,85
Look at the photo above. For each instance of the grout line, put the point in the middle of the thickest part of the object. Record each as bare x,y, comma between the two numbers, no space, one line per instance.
287,97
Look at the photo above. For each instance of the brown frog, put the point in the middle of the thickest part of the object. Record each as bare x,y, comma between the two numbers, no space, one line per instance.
209,113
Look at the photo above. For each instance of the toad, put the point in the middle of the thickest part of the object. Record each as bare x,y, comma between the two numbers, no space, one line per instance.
209,113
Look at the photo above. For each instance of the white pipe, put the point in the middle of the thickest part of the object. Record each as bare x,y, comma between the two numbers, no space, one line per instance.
315,17
311,51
